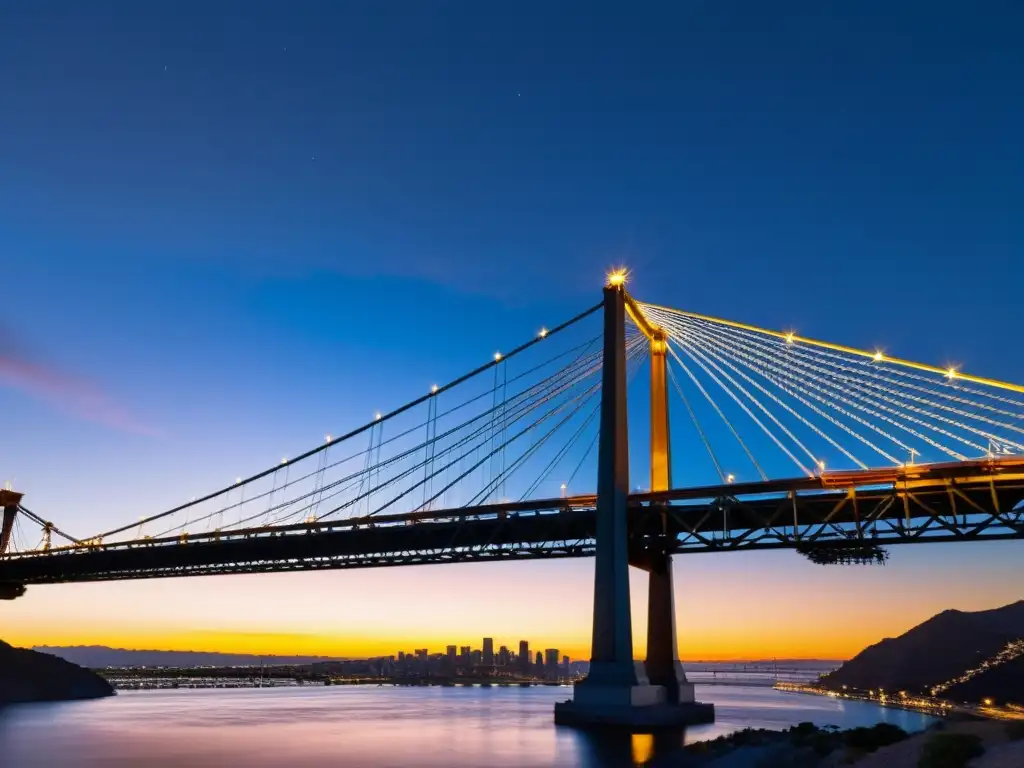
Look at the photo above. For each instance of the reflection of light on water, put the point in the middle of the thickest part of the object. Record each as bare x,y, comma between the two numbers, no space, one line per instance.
643,748
415,727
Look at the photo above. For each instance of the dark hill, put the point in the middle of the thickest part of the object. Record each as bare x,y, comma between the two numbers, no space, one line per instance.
938,650
30,676
1003,684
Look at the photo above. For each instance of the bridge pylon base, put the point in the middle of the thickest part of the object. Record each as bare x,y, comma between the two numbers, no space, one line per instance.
641,719
626,700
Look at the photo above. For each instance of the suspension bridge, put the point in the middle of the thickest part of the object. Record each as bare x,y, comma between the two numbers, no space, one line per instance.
792,442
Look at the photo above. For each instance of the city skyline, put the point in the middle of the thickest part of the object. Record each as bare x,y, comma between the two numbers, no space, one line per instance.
466,658
211,266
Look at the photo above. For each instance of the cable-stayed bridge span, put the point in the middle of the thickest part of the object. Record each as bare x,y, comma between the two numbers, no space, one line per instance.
790,442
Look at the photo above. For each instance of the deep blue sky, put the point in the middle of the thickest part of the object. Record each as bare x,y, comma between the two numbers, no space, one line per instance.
229,227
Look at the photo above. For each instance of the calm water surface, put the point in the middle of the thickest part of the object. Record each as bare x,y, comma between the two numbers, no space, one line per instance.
369,726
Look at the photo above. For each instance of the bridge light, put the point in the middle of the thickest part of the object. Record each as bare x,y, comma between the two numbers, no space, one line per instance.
730,477
497,356
433,389
327,438
790,336
377,416
238,480
987,702
951,373
821,464
617,277
543,332
879,357
284,459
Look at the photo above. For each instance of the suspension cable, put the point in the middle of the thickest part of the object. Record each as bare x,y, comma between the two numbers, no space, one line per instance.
696,423
780,378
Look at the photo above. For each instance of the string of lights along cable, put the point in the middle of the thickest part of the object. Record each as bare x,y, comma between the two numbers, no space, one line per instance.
522,425
823,407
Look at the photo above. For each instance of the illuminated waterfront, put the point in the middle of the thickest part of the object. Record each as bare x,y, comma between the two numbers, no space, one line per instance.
906,701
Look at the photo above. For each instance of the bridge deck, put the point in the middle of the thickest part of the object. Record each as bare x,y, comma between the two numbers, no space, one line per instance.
961,502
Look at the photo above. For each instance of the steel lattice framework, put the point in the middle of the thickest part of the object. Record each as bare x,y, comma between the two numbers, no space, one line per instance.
978,501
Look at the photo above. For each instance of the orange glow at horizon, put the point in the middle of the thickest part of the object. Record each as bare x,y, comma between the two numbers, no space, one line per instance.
269,644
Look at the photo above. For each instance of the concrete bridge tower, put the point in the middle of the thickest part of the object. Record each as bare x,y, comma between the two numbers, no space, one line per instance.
620,691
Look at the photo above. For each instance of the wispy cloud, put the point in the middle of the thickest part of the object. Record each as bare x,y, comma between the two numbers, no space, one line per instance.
71,394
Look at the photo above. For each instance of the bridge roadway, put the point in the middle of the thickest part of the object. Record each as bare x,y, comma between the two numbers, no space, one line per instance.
982,500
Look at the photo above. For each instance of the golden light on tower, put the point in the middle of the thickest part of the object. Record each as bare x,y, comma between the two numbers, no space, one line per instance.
618,277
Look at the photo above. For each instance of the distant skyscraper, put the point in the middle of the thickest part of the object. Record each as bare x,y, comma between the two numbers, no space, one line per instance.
540,663
451,655
476,657
524,656
503,655
565,665
551,662
488,657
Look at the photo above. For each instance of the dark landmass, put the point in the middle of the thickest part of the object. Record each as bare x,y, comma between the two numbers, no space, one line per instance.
939,650
99,656
1003,684
27,676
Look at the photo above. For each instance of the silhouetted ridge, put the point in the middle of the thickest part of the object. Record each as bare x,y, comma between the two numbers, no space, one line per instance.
30,676
1002,684
937,650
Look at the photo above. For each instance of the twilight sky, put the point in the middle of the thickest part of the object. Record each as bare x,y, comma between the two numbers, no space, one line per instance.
228,228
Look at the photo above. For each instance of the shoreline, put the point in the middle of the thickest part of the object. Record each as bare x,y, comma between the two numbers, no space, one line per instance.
920,704
173,682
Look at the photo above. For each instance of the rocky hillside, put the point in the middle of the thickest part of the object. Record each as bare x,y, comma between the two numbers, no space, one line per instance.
1003,685
941,649
30,676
